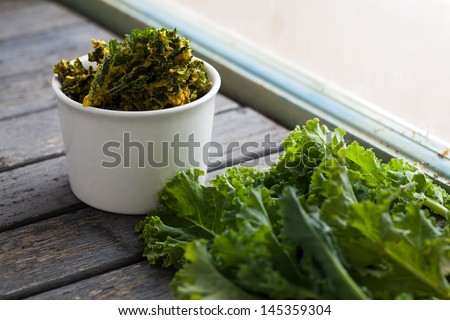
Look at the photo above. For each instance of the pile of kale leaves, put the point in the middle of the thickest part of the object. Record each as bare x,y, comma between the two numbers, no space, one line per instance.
328,221
150,69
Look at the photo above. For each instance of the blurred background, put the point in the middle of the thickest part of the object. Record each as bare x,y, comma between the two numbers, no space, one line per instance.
394,54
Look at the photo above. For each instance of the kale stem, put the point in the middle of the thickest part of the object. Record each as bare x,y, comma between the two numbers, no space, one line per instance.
436,207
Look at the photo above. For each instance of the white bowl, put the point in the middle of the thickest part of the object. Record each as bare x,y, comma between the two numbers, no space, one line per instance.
95,139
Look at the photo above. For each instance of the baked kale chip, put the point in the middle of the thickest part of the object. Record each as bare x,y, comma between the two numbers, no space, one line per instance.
150,69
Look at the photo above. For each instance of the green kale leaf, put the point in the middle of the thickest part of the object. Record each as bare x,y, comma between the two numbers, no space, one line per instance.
328,221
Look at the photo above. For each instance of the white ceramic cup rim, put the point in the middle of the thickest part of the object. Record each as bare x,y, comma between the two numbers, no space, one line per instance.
212,76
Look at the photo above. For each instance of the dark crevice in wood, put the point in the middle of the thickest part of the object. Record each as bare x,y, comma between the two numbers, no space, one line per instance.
228,110
45,216
74,246
31,161
139,273
260,154
73,278
18,115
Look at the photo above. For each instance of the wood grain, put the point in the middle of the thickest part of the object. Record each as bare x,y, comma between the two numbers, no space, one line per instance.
30,17
35,36
29,138
33,52
136,282
41,256
23,93
140,280
9,7
57,251
35,192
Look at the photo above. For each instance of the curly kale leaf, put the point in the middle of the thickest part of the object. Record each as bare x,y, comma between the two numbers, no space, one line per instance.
191,211
150,69
328,221
75,79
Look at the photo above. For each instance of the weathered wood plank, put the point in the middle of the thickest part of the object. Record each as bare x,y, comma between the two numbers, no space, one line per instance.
136,282
34,193
34,17
42,256
8,7
26,64
24,93
57,251
32,52
65,249
35,36
31,137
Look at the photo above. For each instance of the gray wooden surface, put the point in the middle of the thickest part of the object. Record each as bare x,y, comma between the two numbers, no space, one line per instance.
52,246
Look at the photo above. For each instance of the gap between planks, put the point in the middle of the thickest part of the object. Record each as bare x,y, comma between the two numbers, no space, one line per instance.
136,282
